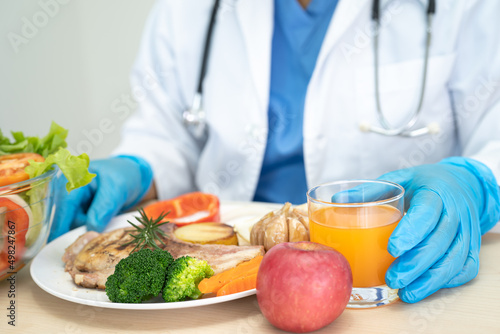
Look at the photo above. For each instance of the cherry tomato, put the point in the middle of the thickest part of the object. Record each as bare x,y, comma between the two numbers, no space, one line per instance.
187,209
12,167
15,226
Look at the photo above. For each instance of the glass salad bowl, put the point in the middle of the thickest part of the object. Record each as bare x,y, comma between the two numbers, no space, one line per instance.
26,213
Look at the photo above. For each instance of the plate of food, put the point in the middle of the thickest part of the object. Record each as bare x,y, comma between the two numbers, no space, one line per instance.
75,266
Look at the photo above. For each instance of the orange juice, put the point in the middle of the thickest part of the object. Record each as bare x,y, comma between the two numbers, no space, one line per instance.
361,234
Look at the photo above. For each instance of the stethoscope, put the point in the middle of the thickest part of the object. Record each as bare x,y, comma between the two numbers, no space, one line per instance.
195,118
404,131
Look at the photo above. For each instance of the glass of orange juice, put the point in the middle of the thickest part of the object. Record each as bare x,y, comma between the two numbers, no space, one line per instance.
357,218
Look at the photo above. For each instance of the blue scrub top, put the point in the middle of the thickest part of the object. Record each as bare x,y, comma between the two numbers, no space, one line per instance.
297,38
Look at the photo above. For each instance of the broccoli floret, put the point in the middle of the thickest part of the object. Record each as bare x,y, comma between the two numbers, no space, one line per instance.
183,277
138,277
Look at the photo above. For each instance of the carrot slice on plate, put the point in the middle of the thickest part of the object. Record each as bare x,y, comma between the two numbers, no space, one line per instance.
214,283
238,285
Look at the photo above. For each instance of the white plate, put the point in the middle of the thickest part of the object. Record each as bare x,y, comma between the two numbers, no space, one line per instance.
47,268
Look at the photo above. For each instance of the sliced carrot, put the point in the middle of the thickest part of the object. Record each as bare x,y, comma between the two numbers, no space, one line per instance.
214,283
238,285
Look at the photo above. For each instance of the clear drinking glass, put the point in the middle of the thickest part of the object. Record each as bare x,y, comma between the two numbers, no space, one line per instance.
356,218
26,213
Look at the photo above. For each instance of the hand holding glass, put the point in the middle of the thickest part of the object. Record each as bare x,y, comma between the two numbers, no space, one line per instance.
357,218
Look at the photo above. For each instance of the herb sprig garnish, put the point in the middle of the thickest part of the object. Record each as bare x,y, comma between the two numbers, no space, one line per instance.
147,234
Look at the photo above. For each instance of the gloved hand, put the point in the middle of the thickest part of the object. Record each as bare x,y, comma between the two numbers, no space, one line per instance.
449,206
119,184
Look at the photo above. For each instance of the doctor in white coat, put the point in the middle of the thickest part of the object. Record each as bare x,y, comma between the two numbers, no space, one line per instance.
449,170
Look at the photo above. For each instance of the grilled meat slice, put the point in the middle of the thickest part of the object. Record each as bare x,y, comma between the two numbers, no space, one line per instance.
77,246
96,261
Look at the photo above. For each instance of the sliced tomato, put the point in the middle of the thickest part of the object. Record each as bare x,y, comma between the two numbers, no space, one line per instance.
12,167
187,209
15,222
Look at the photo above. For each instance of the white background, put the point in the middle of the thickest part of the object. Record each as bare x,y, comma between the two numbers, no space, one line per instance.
73,67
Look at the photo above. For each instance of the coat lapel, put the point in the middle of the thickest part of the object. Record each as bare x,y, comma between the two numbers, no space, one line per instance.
343,17
256,19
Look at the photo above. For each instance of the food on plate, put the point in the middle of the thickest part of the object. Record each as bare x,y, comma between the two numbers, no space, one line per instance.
207,233
301,212
148,233
12,167
145,273
138,277
195,207
182,279
270,230
284,225
242,228
77,246
303,286
239,284
216,282
93,256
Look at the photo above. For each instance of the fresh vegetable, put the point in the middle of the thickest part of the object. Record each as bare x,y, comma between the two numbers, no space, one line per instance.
214,283
12,167
145,273
207,233
52,149
183,277
149,233
24,158
186,209
138,277
75,168
15,226
37,197
284,225
238,285
19,201
49,144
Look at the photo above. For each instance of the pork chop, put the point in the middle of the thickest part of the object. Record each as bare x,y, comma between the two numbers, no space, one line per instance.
92,258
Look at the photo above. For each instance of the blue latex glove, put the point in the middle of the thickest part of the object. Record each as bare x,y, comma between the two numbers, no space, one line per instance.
119,184
449,206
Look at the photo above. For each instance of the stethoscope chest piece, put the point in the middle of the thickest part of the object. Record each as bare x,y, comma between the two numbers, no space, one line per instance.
194,118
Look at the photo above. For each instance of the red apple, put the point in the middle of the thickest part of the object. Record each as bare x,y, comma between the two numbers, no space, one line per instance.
303,286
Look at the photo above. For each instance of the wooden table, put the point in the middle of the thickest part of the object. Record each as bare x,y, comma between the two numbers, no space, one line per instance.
471,308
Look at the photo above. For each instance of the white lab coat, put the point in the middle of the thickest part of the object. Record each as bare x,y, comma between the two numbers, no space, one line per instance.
462,92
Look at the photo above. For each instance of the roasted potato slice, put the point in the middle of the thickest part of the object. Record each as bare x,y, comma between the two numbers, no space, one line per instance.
207,233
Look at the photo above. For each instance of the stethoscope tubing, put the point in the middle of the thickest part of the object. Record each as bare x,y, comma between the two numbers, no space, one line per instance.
387,129
206,48
194,117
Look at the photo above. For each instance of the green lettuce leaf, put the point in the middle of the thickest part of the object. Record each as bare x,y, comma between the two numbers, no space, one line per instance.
52,148
55,139
49,144
75,168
